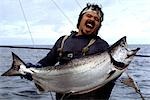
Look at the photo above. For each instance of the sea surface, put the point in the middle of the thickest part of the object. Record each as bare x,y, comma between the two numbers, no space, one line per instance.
15,88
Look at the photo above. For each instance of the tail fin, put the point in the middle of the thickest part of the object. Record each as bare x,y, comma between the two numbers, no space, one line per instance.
14,70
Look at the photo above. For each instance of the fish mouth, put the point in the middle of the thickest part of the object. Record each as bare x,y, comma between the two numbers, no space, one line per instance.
132,52
90,24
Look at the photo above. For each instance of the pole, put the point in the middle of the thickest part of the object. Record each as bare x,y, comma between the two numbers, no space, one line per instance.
25,47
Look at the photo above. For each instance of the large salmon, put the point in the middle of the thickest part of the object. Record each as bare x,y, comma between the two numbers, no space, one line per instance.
79,75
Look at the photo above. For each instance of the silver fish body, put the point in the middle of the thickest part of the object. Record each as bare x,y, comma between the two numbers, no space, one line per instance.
79,75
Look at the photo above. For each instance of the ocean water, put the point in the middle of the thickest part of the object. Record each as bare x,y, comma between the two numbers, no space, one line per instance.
15,88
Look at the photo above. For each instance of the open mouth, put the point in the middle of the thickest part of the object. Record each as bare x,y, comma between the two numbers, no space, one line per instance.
90,24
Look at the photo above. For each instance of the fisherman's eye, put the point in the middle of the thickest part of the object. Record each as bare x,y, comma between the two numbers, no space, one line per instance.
97,19
88,15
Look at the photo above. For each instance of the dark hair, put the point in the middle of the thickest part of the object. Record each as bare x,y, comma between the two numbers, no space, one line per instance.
94,7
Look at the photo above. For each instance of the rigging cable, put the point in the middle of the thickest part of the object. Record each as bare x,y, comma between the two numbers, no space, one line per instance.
30,34
26,22
78,3
62,12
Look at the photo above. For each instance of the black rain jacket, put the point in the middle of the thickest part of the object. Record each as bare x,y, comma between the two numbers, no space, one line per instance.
73,46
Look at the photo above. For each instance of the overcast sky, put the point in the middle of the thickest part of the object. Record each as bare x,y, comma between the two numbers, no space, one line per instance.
50,19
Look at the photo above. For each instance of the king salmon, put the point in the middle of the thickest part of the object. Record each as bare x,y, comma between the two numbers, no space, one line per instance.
79,75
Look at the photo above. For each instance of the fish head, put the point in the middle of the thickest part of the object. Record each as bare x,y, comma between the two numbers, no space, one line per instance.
120,52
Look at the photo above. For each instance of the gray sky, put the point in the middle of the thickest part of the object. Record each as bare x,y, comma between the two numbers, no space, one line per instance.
47,20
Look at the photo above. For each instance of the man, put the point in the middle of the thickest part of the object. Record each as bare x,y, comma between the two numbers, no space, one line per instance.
79,44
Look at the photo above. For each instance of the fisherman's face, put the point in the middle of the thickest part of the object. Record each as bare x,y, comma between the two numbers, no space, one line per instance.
90,23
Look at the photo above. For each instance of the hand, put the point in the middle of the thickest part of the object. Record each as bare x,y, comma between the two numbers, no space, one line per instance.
28,76
38,65
28,65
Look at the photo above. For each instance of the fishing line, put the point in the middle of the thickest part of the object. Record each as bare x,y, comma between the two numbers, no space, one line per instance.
78,3
51,96
62,12
26,22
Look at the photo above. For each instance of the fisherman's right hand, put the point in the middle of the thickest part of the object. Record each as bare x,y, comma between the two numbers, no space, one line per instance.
28,76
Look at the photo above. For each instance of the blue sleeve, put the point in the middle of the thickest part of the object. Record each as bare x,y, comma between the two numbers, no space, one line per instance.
52,57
